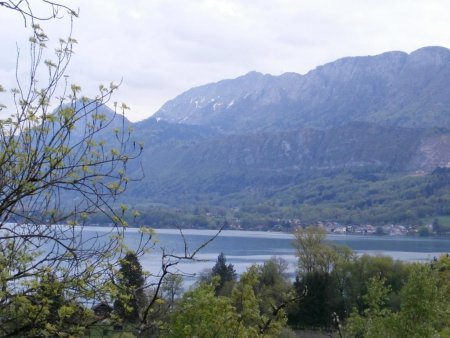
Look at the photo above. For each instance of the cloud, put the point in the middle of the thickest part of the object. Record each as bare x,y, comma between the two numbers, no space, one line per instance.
163,47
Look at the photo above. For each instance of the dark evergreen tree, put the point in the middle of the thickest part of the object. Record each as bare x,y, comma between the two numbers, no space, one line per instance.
131,281
226,273
317,301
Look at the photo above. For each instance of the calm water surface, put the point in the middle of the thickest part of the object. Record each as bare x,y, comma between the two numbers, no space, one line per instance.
243,248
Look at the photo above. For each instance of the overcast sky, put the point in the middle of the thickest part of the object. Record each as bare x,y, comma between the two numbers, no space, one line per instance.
161,48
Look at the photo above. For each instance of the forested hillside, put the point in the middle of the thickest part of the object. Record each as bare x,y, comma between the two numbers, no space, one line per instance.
355,140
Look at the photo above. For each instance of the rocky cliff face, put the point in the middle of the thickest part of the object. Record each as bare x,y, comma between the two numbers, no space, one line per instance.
359,145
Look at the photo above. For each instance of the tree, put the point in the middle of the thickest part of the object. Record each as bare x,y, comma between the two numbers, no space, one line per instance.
441,266
273,279
150,319
422,304
172,287
316,293
60,161
274,288
130,299
201,314
424,231
52,11
373,322
354,275
63,158
320,282
226,273
422,308
255,317
313,254
43,305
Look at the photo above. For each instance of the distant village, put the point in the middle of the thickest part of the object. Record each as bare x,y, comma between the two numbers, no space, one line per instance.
213,221
340,229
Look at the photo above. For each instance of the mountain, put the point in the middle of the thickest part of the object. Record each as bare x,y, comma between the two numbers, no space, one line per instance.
85,111
361,139
393,88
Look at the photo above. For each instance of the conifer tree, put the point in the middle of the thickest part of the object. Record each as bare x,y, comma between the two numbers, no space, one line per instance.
131,281
226,273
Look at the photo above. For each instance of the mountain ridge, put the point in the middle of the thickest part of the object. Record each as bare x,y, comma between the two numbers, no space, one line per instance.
375,89
362,138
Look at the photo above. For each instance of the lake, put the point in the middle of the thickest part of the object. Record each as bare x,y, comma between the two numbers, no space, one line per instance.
243,248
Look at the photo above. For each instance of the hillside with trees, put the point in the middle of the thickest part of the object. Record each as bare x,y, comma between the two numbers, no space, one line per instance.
352,141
